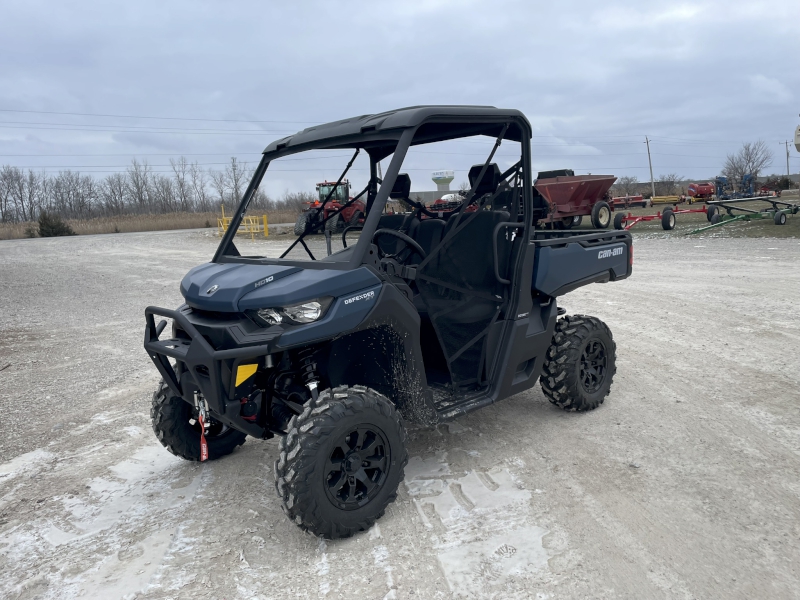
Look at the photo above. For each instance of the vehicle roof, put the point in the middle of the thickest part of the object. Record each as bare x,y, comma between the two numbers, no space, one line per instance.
371,126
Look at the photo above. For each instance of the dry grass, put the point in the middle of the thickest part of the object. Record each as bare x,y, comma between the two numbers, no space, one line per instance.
130,223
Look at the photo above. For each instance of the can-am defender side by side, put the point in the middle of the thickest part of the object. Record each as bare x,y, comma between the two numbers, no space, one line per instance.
405,320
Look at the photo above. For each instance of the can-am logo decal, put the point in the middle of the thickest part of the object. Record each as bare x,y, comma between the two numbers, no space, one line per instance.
609,253
264,281
366,296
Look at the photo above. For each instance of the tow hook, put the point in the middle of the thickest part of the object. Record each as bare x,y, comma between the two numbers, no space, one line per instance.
202,411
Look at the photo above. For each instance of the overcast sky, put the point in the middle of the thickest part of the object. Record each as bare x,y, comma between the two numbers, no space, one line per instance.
224,79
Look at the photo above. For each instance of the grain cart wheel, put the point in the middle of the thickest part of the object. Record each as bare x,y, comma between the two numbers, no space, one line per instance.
601,215
176,427
668,220
711,211
619,221
580,363
341,462
780,218
716,218
300,224
577,220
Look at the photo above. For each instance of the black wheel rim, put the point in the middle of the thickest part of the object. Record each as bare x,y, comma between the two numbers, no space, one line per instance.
594,363
356,468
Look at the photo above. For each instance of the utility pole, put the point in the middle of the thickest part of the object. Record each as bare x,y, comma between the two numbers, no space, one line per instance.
652,183
787,158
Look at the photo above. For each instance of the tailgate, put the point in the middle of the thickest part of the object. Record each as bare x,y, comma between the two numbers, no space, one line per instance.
568,260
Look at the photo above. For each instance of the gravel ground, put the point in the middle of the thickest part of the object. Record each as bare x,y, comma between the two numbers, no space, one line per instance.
684,484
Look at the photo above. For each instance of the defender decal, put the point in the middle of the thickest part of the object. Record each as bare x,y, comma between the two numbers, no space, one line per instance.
366,296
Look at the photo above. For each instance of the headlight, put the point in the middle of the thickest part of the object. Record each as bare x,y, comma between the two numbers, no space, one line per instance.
296,314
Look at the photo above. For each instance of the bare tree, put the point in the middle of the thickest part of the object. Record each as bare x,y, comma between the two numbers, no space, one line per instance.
182,187
6,206
139,185
667,185
236,174
751,158
113,192
199,190
164,193
219,181
626,185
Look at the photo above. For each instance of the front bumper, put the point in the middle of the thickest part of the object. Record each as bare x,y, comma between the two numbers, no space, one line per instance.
203,368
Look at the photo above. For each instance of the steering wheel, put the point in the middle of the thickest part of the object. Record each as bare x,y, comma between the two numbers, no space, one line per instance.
406,239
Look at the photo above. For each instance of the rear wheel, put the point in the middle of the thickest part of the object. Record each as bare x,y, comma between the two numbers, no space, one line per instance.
711,211
619,221
341,462
780,218
580,363
668,220
177,428
716,218
601,215
577,220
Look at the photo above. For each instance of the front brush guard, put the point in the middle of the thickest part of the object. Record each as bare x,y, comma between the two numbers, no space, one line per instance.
205,365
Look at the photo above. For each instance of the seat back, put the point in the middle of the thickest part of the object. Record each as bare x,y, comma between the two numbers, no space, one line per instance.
428,235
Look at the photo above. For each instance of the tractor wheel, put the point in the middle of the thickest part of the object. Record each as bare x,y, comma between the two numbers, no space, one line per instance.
780,218
619,221
716,218
601,215
668,220
341,462
177,428
711,211
334,225
300,224
580,363
357,216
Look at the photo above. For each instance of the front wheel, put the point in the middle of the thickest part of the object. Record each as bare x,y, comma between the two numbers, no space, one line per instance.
341,462
619,221
779,218
177,428
601,215
580,363
668,220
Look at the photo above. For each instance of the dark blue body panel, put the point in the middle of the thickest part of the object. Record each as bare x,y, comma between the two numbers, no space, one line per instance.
247,286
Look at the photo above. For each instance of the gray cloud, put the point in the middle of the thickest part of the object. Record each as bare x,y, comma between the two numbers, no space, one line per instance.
698,77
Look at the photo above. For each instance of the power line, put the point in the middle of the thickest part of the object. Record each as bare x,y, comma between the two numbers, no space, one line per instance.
50,112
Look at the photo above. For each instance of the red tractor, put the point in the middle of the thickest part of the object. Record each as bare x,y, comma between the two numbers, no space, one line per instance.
315,213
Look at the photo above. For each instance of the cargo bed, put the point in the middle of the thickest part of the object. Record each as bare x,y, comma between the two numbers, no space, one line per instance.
567,260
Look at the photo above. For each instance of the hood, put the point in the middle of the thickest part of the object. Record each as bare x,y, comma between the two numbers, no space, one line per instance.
245,286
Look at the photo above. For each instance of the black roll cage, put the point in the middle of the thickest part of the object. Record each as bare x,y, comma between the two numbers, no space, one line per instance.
379,144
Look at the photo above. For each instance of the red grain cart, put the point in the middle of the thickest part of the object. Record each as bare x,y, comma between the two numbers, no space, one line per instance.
572,197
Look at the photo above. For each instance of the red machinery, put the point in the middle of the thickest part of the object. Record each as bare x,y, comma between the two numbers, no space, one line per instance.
699,192
628,202
667,218
314,213
572,196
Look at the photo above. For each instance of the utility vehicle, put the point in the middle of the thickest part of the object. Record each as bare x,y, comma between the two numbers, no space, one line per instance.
404,320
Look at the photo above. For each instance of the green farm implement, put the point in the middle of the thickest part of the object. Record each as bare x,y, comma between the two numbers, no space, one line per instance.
778,212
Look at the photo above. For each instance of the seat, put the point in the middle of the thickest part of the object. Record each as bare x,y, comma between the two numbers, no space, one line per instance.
428,235
405,223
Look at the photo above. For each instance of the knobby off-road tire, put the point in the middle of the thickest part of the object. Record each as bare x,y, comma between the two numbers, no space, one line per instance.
349,435
171,423
300,224
580,363
334,225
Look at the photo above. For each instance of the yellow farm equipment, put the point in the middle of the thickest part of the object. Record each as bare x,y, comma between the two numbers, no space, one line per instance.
249,225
